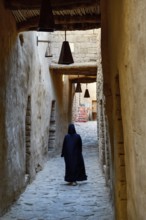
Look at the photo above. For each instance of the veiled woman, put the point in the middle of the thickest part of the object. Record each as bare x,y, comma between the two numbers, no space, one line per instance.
72,153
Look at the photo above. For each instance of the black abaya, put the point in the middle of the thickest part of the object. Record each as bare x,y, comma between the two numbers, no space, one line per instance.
72,153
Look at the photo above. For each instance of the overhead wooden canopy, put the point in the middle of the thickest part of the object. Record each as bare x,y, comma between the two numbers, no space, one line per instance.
69,14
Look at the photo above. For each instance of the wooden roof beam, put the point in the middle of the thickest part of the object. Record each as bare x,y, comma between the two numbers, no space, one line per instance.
21,4
62,24
74,6
77,19
77,26
83,80
57,4
85,69
73,27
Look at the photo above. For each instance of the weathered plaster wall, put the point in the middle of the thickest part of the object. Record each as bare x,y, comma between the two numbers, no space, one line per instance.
124,57
25,72
113,93
133,83
51,87
6,48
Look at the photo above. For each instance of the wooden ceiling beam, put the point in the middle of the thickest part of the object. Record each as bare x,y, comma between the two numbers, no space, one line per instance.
57,4
83,80
74,27
77,19
21,4
64,22
86,69
73,6
77,26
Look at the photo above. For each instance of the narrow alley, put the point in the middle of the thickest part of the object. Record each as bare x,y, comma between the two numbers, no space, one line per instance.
50,198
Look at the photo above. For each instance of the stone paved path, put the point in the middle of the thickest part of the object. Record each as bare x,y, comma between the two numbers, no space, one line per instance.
50,198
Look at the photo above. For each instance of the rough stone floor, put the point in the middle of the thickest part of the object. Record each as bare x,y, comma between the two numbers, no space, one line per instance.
50,198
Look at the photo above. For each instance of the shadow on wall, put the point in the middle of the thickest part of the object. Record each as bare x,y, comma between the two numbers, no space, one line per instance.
57,87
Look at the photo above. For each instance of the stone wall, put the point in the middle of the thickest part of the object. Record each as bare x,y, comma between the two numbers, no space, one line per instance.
123,53
84,45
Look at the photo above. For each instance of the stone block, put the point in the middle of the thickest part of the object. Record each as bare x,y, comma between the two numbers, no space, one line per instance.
93,39
92,51
84,50
96,31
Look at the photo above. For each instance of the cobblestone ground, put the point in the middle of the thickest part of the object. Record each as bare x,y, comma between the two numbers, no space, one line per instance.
50,198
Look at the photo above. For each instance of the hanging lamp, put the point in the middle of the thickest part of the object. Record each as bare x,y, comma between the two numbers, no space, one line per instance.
78,87
65,54
48,50
86,95
46,20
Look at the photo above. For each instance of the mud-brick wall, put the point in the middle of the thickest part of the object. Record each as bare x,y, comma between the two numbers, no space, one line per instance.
27,90
125,51
113,93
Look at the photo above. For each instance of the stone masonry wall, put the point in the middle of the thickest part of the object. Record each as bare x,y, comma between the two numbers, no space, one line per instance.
84,45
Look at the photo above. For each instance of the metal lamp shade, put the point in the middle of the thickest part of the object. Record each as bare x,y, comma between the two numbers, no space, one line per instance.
65,54
46,21
86,95
78,88
48,51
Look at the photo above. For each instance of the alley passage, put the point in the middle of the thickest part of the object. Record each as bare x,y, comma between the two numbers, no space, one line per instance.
50,198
